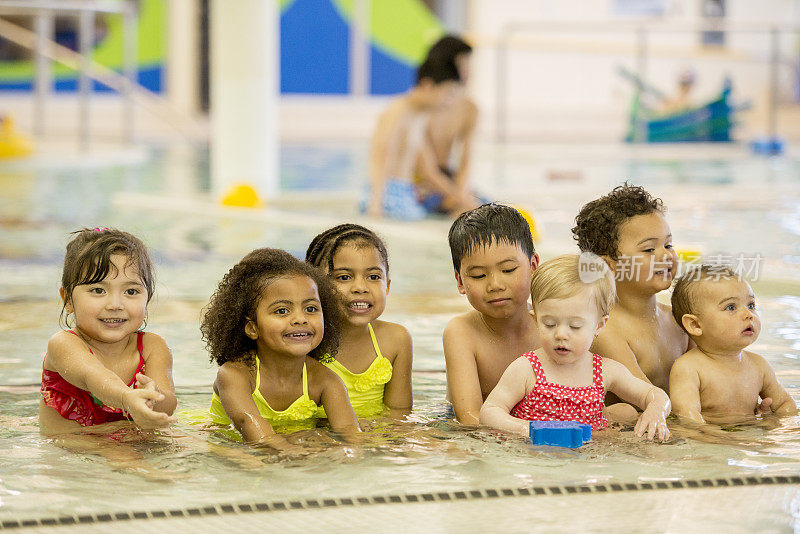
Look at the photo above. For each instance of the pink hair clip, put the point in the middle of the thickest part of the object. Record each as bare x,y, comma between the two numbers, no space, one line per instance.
98,229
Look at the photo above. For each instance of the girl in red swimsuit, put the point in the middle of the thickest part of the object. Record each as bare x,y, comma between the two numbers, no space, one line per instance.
104,368
563,380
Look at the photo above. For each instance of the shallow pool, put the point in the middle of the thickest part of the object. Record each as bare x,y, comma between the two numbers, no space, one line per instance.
729,204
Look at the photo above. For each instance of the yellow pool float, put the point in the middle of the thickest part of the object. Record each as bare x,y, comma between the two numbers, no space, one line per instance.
531,222
12,143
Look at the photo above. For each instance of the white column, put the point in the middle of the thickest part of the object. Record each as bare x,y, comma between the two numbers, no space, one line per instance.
244,95
360,47
183,56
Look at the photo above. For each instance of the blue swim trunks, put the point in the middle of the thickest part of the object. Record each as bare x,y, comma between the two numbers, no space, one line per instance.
400,201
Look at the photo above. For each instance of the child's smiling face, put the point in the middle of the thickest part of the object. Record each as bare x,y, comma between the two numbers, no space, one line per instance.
645,255
110,310
359,274
496,279
288,318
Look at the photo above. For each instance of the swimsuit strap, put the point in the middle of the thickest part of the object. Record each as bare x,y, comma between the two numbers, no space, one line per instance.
537,367
140,347
305,381
597,370
258,374
74,333
374,341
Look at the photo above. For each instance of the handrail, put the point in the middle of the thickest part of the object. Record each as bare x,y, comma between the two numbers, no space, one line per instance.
146,99
96,6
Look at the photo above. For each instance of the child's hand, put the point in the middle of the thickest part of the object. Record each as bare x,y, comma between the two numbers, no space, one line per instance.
764,407
138,404
145,382
653,422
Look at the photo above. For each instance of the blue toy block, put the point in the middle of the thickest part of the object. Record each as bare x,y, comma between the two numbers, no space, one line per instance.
767,146
570,434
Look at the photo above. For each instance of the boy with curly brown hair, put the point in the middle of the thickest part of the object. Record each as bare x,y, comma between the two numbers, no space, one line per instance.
627,228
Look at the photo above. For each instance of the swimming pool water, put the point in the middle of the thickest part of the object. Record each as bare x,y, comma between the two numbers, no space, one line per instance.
730,203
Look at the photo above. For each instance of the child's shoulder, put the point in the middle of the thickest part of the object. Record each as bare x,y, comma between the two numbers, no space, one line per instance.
65,342
235,370
756,359
390,331
460,332
152,342
465,323
319,374
61,337
398,108
690,360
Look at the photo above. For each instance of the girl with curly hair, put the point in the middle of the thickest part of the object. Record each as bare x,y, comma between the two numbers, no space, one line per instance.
269,324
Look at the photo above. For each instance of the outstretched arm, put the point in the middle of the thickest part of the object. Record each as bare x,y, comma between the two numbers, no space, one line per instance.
655,403
68,355
517,380
463,383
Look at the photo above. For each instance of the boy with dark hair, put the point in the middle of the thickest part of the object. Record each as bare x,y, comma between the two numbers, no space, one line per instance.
451,126
494,260
628,230
399,145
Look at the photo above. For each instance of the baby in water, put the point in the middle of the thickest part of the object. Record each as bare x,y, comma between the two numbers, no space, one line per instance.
719,381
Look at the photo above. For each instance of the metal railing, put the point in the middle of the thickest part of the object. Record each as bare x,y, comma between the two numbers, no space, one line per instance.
46,50
44,13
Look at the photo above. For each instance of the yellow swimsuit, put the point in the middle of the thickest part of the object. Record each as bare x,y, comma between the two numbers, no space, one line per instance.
300,415
365,389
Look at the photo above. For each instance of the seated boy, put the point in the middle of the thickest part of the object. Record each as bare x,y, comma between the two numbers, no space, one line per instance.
451,128
399,144
628,230
494,260
719,381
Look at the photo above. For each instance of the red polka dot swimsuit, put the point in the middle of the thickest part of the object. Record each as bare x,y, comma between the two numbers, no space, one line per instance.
553,402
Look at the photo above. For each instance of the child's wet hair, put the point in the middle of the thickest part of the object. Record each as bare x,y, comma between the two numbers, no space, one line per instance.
597,224
567,275
88,260
447,48
323,247
486,225
236,299
684,293
437,71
